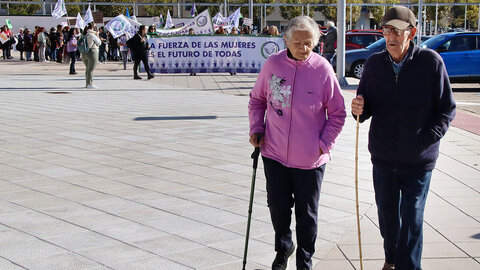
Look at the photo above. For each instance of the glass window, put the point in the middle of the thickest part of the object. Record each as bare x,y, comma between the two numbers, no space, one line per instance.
365,40
460,43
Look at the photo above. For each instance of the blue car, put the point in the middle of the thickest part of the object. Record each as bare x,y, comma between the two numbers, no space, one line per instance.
354,59
460,52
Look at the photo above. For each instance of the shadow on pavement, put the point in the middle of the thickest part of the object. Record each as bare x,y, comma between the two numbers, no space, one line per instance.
154,118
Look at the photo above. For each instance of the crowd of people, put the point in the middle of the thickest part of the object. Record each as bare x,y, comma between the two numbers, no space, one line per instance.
59,44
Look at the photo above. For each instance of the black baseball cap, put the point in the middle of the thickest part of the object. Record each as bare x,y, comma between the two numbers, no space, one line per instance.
399,17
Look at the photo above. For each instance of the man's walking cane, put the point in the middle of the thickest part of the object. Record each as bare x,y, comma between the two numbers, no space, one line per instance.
356,195
255,155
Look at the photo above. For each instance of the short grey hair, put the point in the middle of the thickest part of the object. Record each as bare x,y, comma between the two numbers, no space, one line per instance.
330,24
303,23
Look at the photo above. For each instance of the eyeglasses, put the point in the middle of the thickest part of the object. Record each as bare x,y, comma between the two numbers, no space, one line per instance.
397,32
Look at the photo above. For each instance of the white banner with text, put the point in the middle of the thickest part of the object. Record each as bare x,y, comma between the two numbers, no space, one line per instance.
211,53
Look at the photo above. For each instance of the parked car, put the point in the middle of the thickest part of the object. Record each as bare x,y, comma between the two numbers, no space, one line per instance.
357,39
461,54
355,59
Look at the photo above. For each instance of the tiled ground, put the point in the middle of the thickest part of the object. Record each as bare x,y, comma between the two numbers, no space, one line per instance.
156,175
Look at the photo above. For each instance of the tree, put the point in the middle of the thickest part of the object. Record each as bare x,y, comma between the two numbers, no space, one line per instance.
290,12
113,11
330,12
72,10
23,9
157,10
377,11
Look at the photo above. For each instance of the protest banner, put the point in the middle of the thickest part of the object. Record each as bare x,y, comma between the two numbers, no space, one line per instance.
211,54
3,37
247,21
201,24
9,24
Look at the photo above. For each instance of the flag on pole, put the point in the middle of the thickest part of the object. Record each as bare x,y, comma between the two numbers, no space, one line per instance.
169,22
59,10
88,15
161,22
127,14
234,18
193,11
80,22
122,25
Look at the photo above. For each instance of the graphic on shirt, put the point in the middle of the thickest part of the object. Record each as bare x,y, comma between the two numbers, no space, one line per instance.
280,94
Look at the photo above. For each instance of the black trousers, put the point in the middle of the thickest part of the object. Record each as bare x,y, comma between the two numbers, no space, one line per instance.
286,188
140,57
72,61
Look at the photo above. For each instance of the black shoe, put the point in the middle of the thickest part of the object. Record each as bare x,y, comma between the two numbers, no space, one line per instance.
151,76
137,78
72,73
282,258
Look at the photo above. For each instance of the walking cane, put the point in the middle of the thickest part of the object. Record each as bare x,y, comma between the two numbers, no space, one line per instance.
356,195
255,155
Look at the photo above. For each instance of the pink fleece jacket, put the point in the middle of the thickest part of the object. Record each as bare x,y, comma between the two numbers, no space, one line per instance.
299,107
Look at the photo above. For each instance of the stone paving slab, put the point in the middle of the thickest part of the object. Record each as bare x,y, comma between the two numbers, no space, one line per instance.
156,175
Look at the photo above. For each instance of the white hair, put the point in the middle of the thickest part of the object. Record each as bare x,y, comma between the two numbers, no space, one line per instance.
330,24
303,23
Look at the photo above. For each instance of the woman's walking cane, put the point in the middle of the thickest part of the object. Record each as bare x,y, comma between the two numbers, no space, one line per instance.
255,155
356,195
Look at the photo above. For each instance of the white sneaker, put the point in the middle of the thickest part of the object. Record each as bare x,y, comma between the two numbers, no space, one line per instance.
91,86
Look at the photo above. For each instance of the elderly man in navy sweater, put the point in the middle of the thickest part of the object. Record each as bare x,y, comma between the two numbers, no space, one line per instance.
407,93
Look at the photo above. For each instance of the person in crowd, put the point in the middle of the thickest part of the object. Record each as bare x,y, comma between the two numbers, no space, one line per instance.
20,43
191,31
408,120
90,59
140,49
265,31
65,55
42,43
52,45
113,45
152,30
102,53
7,46
296,138
28,44
234,31
329,41
36,57
59,43
122,43
72,49
220,31
319,48
273,30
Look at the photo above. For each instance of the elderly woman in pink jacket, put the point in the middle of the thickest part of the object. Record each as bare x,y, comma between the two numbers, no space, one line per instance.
296,112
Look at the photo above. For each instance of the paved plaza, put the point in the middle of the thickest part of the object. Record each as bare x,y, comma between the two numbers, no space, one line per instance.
156,175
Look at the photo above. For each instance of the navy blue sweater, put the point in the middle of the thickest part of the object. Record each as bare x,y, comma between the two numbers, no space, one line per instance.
410,112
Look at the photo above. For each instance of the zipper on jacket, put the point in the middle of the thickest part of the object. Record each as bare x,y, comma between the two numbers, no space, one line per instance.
291,110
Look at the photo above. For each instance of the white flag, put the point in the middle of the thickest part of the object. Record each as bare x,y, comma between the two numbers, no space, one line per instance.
118,26
169,21
88,15
80,22
234,18
59,10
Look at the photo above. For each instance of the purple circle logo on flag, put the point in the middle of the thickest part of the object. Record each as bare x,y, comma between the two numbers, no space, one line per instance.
202,21
269,48
117,25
